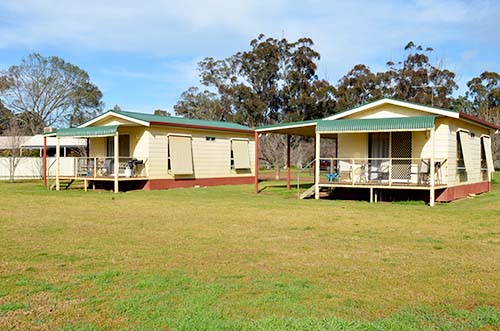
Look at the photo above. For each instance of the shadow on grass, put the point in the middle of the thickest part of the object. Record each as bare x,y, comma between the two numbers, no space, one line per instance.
268,185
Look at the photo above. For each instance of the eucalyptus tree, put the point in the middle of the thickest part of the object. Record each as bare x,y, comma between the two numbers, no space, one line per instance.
484,96
45,91
274,81
415,79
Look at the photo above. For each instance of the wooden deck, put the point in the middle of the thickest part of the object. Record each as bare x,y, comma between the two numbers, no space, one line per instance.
382,185
103,179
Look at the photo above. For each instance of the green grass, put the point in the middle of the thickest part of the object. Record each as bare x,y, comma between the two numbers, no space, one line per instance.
223,258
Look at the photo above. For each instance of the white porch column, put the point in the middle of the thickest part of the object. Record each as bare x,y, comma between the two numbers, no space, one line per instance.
117,160
58,156
390,159
433,169
316,166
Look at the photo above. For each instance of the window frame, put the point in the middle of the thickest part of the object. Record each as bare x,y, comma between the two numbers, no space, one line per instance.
231,155
169,158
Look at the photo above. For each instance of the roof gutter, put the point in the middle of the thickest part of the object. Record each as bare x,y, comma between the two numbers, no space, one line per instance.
477,120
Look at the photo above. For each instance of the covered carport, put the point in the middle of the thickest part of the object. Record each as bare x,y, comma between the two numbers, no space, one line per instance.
304,129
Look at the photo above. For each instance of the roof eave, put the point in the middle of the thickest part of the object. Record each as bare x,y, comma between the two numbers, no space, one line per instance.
477,120
369,131
284,127
374,104
112,113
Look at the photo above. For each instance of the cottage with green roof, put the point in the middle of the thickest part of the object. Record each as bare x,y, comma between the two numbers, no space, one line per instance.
389,147
129,150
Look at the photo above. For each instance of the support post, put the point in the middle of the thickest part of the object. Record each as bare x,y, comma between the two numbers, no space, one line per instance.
117,160
256,163
45,161
352,172
58,156
371,194
390,158
288,174
316,166
64,153
433,169
314,172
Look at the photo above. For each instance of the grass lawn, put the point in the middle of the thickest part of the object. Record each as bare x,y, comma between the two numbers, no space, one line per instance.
223,258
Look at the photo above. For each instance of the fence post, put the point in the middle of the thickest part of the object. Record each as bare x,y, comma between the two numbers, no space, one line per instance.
432,193
45,161
58,156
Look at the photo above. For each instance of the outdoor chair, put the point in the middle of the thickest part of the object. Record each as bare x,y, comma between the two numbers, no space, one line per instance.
109,166
344,172
438,165
379,170
360,173
90,168
333,177
423,171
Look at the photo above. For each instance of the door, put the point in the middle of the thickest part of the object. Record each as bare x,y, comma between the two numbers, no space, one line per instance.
123,146
378,149
401,148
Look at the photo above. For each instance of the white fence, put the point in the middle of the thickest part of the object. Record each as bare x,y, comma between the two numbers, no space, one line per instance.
32,167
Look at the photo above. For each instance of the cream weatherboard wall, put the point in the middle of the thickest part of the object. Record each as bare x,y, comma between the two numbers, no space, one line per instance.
211,158
114,121
422,147
387,111
474,175
97,147
352,145
139,143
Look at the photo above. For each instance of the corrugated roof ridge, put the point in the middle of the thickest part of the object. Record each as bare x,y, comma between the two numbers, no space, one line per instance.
181,120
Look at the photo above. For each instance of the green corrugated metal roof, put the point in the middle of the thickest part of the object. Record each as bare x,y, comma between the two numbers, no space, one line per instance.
182,121
376,124
275,126
90,131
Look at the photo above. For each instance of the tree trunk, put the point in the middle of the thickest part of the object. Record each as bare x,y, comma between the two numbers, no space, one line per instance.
12,169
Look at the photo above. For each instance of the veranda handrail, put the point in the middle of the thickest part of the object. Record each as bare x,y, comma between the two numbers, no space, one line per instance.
307,166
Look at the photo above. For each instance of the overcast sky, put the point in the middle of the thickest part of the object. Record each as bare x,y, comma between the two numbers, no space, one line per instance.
143,54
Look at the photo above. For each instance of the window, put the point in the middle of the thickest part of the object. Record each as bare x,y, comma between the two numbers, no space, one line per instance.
180,155
210,138
464,156
240,155
484,165
460,155
486,151
123,146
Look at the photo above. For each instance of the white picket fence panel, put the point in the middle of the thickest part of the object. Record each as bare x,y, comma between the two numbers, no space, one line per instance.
32,167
